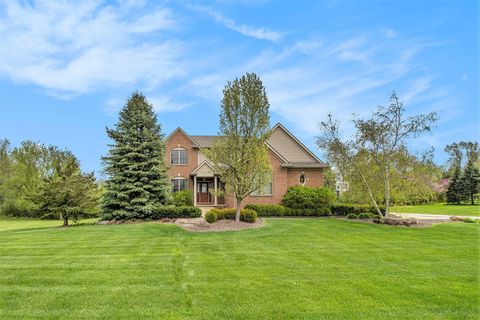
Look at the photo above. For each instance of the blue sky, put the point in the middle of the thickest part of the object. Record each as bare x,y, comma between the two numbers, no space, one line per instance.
66,69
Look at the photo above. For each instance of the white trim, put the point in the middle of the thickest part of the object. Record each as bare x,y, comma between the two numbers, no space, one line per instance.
195,190
201,165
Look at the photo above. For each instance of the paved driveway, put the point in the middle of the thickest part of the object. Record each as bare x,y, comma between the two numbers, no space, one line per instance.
429,216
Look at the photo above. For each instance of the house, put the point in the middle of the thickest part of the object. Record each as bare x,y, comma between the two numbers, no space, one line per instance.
291,161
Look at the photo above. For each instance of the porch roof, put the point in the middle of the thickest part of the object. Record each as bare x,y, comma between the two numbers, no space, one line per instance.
204,169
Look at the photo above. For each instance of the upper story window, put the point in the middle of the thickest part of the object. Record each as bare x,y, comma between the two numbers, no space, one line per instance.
179,184
178,156
266,190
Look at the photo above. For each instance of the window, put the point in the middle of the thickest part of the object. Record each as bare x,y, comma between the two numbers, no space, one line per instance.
178,156
266,190
302,179
179,184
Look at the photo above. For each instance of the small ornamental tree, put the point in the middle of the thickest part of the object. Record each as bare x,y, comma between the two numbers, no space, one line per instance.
68,193
379,139
137,181
240,156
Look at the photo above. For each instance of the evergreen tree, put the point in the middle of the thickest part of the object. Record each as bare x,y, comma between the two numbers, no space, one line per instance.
471,182
471,174
455,190
137,182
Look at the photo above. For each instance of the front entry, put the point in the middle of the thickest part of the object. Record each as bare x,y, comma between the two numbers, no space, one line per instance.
203,192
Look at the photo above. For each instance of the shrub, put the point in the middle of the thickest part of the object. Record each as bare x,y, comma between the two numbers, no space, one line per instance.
247,215
182,198
270,210
211,216
345,209
367,215
300,197
469,220
159,213
352,216
267,210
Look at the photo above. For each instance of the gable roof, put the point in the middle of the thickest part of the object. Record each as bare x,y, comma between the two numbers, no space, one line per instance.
184,133
292,152
290,147
198,169
205,141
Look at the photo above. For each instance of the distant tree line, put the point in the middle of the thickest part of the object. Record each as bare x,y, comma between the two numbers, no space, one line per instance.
40,181
463,172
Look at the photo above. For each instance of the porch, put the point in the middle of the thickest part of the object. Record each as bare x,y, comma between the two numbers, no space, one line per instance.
205,186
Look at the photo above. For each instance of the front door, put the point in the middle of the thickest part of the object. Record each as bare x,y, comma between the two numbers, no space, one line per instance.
203,195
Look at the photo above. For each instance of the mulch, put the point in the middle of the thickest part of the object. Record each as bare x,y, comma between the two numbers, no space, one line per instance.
221,225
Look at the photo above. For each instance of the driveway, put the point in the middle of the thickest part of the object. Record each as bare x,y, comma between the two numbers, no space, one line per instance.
429,216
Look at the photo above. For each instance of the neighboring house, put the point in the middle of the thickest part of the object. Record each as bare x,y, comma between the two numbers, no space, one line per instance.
292,164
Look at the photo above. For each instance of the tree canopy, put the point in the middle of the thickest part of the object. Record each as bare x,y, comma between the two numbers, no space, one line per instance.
137,182
240,156
377,140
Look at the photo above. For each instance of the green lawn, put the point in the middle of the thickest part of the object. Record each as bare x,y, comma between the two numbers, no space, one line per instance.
290,269
440,208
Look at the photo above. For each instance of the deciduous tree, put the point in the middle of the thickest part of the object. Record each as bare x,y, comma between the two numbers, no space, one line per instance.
379,137
240,156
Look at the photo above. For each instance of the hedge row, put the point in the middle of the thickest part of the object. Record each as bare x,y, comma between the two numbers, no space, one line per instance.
246,215
367,215
162,212
345,209
271,210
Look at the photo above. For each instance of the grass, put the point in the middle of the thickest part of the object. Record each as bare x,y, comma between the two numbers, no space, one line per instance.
440,208
290,269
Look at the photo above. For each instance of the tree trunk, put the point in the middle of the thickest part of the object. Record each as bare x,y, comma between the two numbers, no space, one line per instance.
387,191
370,193
472,199
237,206
65,222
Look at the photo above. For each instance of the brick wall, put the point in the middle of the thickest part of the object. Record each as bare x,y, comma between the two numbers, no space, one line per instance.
282,178
179,140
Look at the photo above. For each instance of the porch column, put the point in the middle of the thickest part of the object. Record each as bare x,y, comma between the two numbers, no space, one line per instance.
195,190
215,188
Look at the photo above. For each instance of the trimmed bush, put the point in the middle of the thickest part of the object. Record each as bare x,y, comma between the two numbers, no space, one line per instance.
270,210
352,216
182,198
267,210
247,215
345,209
367,215
162,212
211,216
299,197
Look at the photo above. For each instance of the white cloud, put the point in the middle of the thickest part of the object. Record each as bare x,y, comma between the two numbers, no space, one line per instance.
246,30
71,48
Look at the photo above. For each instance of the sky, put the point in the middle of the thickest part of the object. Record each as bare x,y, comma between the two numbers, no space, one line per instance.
67,68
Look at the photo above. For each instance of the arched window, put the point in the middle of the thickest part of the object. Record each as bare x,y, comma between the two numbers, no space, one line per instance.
302,179
179,184
178,156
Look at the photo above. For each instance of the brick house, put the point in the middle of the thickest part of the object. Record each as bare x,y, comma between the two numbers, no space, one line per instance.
292,164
